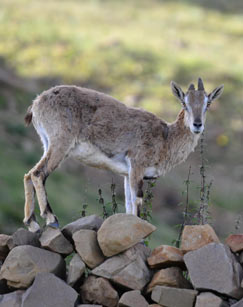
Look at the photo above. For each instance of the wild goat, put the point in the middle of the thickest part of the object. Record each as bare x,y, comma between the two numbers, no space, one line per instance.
103,132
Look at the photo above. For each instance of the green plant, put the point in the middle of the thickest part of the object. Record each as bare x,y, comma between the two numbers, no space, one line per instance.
146,209
205,188
102,203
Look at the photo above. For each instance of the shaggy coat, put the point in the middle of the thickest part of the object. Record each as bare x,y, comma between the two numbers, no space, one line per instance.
102,132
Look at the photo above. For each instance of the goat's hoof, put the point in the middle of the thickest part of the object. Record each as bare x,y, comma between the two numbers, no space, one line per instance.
52,222
33,226
53,225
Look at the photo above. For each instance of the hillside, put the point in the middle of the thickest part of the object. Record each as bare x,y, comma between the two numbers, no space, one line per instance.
131,50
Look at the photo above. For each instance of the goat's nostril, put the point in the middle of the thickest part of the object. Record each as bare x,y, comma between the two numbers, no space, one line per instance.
197,124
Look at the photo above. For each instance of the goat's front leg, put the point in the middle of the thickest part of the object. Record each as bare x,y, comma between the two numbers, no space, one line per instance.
128,200
136,188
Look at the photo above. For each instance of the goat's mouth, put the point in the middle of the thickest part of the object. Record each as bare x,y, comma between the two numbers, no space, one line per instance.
196,131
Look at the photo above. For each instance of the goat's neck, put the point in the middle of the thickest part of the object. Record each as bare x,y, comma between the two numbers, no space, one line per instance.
181,141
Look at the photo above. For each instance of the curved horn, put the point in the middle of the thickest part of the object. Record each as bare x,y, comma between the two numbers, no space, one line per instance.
200,85
191,87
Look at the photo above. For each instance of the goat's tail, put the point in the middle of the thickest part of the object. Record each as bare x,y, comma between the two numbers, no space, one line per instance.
28,116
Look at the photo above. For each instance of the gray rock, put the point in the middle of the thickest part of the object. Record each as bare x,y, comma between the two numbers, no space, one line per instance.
238,304
13,299
4,249
53,240
99,291
24,237
213,267
132,299
49,291
128,269
75,270
121,231
210,300
25,261
89,305
87,246
173,297
92,222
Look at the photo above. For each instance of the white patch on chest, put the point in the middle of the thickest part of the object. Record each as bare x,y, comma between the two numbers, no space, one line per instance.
93,156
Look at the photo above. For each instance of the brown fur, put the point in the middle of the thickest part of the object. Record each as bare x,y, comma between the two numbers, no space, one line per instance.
105,133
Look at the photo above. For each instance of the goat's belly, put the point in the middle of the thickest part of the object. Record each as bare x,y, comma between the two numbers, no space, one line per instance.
92,156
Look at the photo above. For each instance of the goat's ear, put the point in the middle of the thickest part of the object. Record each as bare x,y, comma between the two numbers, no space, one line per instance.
177,91
216,93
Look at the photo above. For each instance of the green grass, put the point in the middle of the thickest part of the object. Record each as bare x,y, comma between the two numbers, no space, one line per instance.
131,50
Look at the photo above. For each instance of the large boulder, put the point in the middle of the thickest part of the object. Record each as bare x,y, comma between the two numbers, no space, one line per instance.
92,222
87,247
173,297
210,300
49,291
169,277
196,236
132,299
165,256
213,267
53,240
121,231
13,299
99,291
127,269
24,262
76,270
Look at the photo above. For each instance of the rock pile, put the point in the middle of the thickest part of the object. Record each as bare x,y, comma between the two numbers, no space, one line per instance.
94,263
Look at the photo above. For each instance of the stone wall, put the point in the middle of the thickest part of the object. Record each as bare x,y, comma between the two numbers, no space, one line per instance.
105,263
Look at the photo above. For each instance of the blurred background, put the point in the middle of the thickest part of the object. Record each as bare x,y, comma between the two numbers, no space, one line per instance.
130,50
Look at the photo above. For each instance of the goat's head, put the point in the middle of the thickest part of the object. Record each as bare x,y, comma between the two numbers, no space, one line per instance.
195,103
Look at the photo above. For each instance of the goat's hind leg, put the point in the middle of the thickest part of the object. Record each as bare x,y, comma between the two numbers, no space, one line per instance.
29,215
43,169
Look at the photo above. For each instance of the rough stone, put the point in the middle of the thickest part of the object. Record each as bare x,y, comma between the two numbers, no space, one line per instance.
165,256
92,222
89,305
24,237
49,290
75,270
112,240
214,267
210,300
173,297
99,291
13,299
87,246
4,249
25,261
169,277
235,242
128,268
53,240
238,304
132,299
196,236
